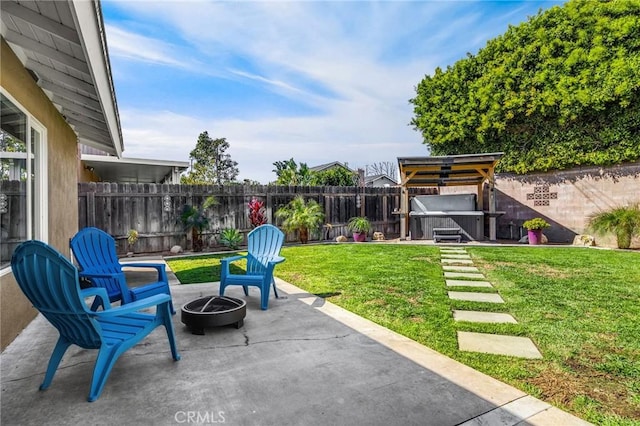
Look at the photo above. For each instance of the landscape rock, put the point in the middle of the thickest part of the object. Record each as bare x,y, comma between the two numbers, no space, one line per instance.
176,249
378,236
584,240
341,239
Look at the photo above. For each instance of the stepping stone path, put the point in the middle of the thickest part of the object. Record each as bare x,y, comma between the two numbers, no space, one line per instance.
469,261
497,344
467,283
476,297
477,316
462,275
455,256
470,276
460,268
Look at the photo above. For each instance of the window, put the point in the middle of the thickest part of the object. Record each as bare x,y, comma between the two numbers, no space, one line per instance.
22,179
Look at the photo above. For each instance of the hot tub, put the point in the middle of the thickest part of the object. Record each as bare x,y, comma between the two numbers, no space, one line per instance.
446,211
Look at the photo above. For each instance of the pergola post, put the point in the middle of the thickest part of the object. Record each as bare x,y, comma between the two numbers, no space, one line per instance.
404,212
492,207
481,196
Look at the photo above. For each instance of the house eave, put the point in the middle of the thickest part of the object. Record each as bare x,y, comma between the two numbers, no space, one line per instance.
63,45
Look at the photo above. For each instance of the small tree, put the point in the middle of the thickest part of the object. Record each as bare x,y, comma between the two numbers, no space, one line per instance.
195,219
210,164
336,176
301,216
289,173
624,222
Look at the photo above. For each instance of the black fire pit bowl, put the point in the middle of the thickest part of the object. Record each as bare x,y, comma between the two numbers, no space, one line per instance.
213,311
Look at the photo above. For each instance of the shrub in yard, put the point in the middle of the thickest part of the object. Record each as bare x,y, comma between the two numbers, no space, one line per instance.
301,216
231,238
624,222
535,223
196,220
257,212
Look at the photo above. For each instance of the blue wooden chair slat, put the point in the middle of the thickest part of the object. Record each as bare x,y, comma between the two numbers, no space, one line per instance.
263,254
52,285
95,252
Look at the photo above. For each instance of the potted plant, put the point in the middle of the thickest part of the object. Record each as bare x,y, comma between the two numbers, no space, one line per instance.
624,222
360,226
534,229
301,216
195,219
132,238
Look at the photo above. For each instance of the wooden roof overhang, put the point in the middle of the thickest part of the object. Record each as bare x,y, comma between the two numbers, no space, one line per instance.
449,170
63,45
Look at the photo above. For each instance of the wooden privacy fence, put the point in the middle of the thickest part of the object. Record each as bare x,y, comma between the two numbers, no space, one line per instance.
154,210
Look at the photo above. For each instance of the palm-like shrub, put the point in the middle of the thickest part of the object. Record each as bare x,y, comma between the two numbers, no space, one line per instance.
231,238
301,216
624,222
196,220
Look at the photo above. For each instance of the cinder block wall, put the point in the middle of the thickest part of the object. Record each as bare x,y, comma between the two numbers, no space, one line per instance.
566,199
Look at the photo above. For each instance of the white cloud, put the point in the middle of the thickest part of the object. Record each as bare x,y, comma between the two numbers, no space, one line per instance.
137,47
354,63
256,144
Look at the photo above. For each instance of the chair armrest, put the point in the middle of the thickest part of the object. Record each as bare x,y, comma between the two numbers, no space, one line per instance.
89,274
138,305
118,277
97,292
277,259
161,268
232,259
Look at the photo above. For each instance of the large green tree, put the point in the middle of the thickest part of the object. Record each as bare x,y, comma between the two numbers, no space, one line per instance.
335,176
290,173
558,91
210,164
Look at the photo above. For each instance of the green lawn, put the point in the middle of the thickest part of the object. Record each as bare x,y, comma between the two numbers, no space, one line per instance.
580,306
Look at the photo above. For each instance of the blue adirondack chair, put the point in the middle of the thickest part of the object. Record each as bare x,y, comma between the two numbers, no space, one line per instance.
95,252
52,285
263,254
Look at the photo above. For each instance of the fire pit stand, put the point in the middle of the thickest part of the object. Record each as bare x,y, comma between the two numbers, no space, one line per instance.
213,311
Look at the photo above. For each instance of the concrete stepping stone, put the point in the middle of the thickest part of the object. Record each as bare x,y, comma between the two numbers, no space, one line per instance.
455,256
475,297
467,283
462,275
498,344
454,251
465,261
460,268
488,317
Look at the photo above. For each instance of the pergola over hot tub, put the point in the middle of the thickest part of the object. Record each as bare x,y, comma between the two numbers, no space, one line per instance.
450,170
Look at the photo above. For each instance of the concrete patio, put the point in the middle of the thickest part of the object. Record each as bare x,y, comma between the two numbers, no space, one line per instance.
302,362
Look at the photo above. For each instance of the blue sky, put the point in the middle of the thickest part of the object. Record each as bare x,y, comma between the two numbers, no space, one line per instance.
318,81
